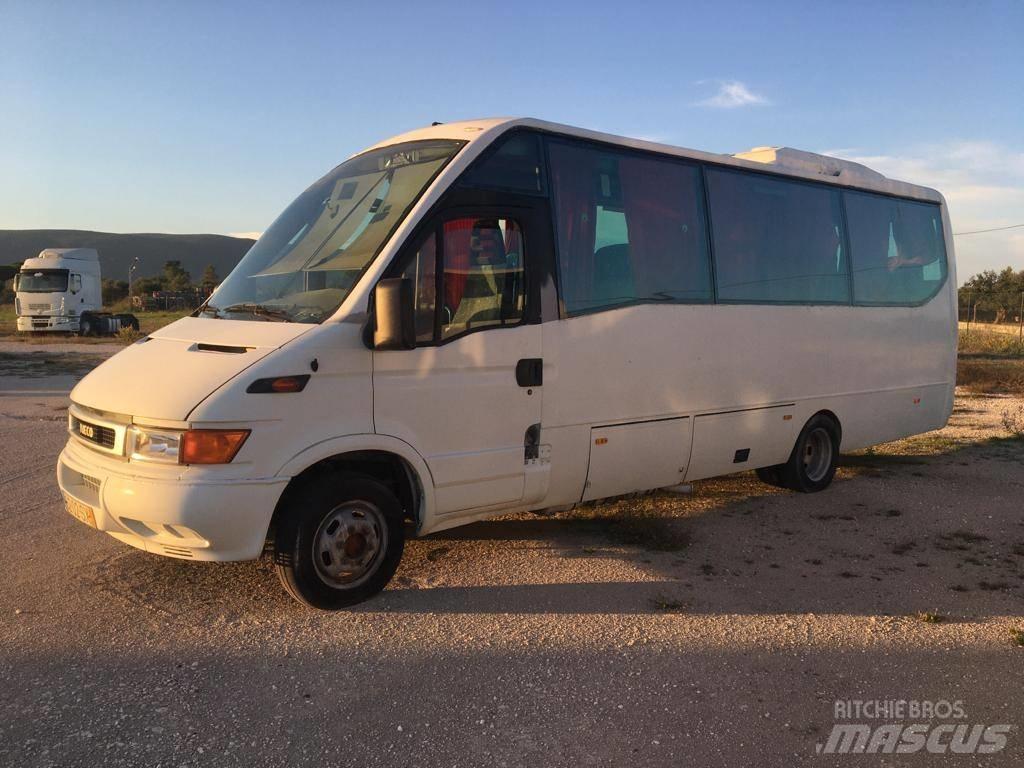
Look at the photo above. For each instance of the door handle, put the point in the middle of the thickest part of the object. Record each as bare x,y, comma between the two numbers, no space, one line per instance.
530,372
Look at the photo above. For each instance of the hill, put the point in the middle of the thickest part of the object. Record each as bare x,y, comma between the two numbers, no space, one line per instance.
117,251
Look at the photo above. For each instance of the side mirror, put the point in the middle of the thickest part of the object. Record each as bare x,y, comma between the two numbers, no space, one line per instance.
392,319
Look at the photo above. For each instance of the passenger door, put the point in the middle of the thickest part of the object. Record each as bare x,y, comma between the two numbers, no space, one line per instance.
468,397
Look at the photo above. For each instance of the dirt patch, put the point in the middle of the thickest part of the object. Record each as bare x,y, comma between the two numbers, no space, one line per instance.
31,365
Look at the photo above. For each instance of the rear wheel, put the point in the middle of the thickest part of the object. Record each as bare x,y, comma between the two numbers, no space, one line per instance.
339,540
812,464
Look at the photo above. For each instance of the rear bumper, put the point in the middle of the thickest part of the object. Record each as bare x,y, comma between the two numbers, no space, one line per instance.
47,323
224,520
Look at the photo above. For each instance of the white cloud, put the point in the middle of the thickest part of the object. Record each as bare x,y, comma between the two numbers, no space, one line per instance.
732,94
982,181
246,235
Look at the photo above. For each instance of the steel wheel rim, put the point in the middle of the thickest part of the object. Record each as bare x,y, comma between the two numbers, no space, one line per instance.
817,454
349,544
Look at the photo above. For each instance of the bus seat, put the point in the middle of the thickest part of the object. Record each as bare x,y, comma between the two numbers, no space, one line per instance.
613,274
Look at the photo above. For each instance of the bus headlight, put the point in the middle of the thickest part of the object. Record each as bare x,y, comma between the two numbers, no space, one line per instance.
154,445
194,446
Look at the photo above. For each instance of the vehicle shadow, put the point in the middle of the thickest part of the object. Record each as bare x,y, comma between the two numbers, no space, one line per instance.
900,534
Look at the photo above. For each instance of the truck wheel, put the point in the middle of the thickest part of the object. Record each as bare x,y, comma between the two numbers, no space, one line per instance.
812,464
133,321
86,326
339,540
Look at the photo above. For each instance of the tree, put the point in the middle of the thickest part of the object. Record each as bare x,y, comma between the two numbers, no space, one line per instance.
144,285
175,277
113,291
995,294
210,278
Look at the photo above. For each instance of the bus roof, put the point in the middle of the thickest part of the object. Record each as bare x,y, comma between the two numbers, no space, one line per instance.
781,160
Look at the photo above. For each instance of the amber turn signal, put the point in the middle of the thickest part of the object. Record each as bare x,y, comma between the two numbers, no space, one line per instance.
278,384
211,446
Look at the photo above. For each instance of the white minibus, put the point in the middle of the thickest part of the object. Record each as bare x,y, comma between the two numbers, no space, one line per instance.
504,315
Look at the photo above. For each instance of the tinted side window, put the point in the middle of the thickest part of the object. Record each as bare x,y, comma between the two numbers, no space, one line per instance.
514,165
484,281
897,248
630,228
776,240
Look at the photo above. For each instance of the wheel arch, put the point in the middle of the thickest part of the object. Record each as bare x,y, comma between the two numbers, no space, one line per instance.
390,460
835,420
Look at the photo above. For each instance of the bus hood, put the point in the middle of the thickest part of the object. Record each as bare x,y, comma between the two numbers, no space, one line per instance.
167,374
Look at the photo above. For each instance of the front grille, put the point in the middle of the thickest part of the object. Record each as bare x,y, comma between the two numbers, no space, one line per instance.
94,433
92,483
40,307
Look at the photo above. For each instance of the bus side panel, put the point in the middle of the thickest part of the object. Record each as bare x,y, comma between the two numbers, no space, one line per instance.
869,419
866,364
732,442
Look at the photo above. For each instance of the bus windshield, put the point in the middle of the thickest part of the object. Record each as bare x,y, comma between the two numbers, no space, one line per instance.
42,281
305,264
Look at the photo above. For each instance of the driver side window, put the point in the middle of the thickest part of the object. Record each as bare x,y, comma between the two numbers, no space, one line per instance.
482,280
483,274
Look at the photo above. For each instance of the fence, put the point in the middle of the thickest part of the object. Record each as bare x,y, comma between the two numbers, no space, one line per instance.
983,308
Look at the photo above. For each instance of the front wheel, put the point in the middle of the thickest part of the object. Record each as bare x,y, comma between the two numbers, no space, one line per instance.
339,540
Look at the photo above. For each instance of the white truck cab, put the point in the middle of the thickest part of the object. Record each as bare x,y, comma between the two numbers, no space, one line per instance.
53,290
503,315
60,291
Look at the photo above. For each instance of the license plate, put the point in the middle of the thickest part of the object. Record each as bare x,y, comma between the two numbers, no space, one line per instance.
79,511
86,430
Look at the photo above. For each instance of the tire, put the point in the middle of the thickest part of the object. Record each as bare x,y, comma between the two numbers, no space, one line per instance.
314,563
127,321
812,464
86,326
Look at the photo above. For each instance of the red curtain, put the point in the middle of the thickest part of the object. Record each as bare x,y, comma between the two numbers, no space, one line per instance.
457,238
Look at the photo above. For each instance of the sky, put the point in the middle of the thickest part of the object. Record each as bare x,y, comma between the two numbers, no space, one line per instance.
211,116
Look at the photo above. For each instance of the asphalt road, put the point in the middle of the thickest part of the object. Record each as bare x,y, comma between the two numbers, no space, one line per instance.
573,640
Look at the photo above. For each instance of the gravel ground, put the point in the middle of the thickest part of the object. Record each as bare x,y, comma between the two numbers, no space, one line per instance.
712,629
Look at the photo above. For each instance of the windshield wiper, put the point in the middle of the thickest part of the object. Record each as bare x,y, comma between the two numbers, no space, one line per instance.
260,310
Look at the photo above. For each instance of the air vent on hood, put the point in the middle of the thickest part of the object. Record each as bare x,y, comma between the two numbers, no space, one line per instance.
221,348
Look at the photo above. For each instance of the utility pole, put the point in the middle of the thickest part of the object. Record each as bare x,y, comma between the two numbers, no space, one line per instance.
131,271
1020,319
968,334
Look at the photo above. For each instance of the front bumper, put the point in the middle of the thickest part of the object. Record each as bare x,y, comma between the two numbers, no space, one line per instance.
48,323
174,517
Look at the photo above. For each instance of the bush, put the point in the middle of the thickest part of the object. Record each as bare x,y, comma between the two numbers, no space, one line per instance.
1013,420
129,334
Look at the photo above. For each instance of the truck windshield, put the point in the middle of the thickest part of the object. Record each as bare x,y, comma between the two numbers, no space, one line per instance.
305,264
42,281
